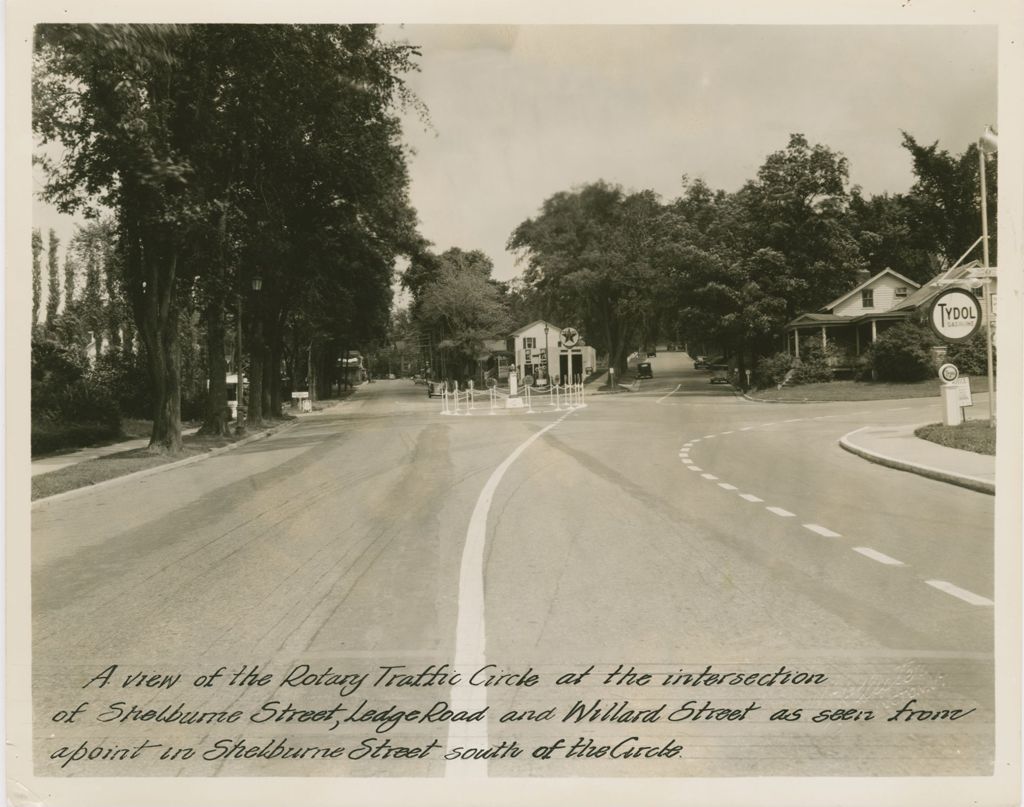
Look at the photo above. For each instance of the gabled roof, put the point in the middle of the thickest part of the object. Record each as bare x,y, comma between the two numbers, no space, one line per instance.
525,328
936,284
867,283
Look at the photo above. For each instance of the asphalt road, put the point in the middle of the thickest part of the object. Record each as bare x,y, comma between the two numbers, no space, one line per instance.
658,532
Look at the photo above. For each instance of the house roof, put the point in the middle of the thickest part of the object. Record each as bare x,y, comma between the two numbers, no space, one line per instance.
865,284
935,285
525,328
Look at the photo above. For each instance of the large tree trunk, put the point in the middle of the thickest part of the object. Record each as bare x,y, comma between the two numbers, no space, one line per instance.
215,419
256,362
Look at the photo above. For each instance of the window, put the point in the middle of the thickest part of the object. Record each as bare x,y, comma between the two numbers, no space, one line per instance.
867,298
529,342
901,293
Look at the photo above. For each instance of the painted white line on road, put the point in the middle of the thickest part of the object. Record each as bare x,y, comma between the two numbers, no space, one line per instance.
687,462
726,486
663,397
746,428
824,531
874,554
709,476
898,409
768,424
793,420
722,434
694,440
779,512
750,497
960,593
708,436
694,468
470,637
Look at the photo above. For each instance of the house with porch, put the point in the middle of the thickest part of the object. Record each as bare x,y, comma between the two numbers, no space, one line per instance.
851,322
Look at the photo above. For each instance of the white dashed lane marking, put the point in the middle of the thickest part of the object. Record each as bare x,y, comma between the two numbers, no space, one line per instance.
874,554
960,593
825,531
879,557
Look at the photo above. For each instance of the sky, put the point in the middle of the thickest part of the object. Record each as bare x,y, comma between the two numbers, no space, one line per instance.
518,113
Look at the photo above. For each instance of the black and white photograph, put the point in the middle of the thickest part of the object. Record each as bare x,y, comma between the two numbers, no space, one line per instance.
480,408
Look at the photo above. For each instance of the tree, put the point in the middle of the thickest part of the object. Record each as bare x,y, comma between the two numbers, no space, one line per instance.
945,200
53,287
592,254
461,307
37,272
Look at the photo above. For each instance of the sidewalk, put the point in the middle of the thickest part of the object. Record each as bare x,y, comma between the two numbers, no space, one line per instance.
897,447
44,465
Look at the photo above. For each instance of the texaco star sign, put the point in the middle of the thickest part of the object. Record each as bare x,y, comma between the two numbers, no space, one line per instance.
570,337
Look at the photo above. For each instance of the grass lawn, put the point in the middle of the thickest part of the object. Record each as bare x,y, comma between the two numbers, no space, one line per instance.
971,435
850,391
111,466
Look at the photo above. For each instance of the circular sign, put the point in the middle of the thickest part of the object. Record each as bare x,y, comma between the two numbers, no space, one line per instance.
955,315
949,373
570,336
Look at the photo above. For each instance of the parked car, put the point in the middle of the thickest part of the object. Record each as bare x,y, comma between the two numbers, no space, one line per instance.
700,362
643,370
435,388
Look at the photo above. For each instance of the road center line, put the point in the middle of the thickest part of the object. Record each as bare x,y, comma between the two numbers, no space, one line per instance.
823,531
874,554
694,468
960,593
779,512
726,486
750,497
470,637
746,428
663,397
709,476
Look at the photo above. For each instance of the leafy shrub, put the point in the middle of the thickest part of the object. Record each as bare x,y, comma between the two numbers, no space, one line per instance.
970,357
770,371
813,366
125,378
903,353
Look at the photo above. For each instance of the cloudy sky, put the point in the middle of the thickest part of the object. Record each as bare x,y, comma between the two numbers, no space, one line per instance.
521,112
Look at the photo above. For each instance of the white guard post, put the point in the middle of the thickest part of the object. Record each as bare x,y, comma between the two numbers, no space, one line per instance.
952,414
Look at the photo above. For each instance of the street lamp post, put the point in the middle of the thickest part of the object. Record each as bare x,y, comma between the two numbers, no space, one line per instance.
547,369
239,422
987,144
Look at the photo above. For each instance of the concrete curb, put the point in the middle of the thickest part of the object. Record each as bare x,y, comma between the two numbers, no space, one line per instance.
252,438
960,480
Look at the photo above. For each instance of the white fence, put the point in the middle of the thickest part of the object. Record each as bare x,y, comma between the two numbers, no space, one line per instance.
549,398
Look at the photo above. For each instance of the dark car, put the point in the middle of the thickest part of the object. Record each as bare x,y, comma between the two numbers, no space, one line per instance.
643,370
435,388
700,362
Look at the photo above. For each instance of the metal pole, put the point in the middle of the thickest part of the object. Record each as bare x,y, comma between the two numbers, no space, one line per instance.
987,298
239,425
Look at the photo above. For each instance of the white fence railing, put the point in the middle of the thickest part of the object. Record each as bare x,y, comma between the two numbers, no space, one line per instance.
551,397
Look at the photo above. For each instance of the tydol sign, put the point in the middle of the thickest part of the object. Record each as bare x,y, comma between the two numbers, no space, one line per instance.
955,315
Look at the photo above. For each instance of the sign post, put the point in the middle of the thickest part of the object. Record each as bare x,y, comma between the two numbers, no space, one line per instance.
952,412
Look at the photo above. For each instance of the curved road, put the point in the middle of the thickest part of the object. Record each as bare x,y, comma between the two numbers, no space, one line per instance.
666,531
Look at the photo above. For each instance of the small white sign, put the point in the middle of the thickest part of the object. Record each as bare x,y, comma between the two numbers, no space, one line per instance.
948,373
964,391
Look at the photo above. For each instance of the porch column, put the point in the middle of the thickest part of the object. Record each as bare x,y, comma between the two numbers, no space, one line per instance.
856,333
874,331
796,341
824,339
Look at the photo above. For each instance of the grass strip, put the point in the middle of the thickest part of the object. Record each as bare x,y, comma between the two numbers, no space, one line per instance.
971,435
